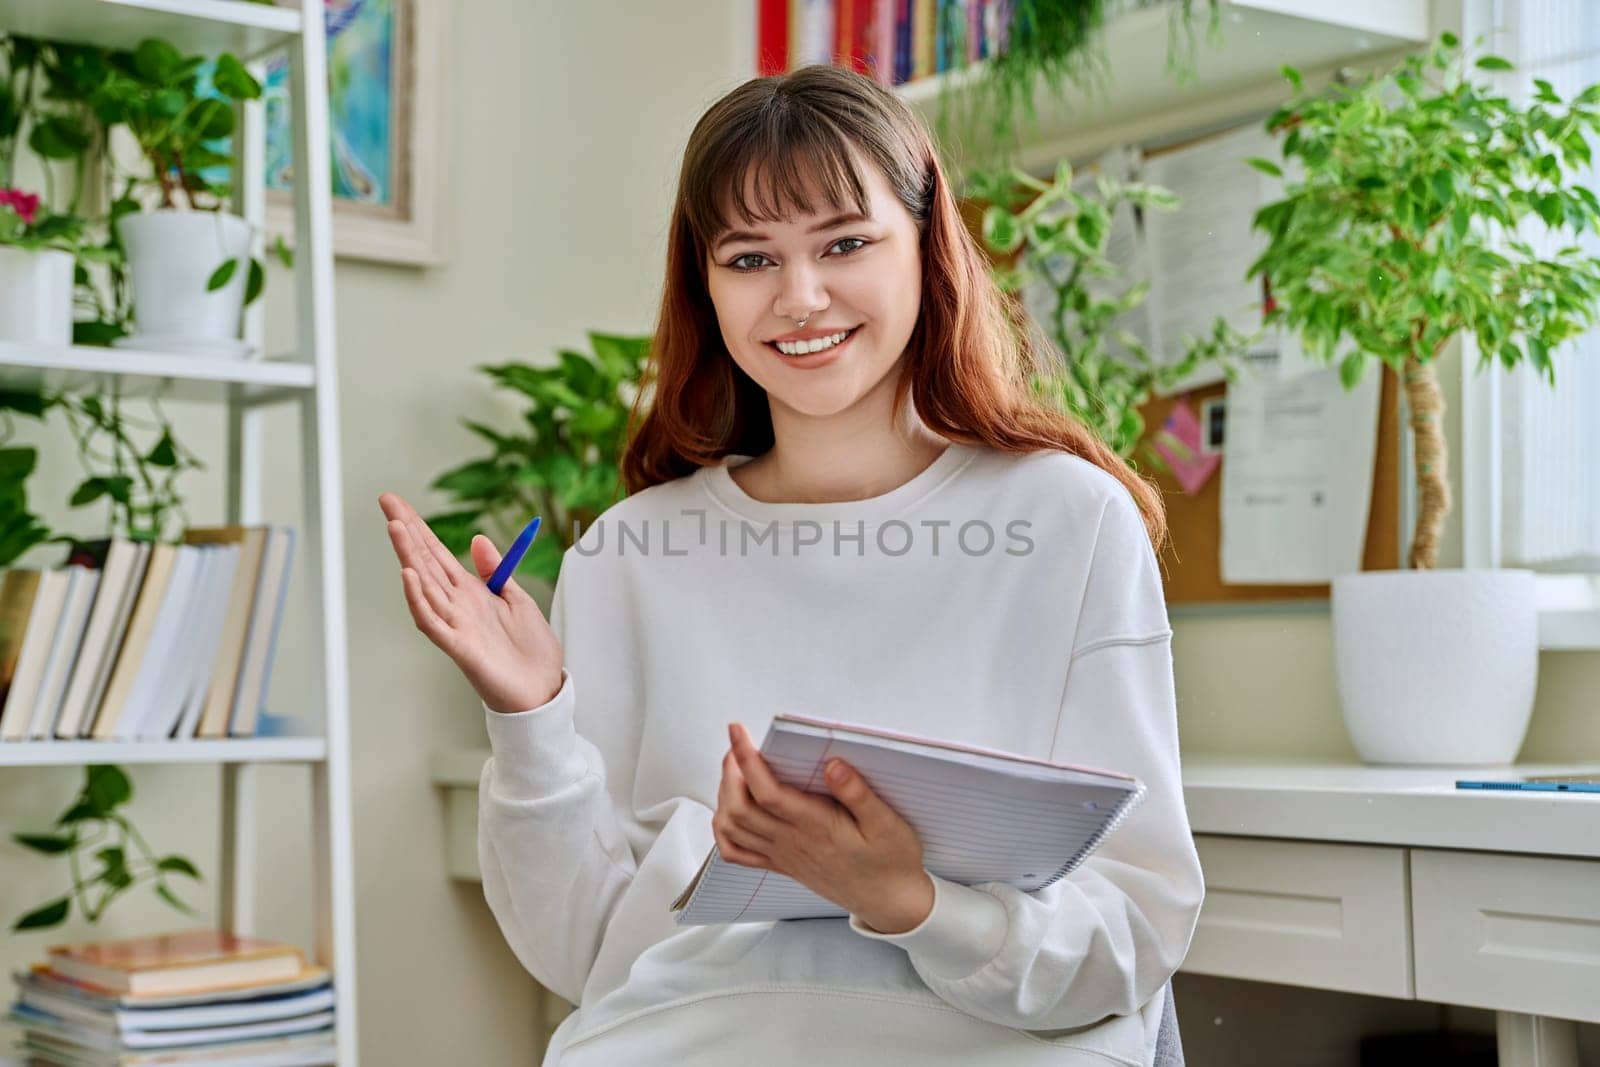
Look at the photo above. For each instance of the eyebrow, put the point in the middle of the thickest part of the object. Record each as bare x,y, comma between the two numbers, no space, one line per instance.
825,224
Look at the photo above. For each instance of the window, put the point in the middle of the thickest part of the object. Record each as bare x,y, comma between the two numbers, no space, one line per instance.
1531,452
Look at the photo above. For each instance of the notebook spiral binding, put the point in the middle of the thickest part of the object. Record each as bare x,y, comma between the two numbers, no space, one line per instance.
1129,802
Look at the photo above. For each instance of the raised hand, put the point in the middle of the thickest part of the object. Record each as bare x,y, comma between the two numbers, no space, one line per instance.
503,644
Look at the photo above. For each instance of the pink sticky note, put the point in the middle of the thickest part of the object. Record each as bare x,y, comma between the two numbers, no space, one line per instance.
1192,469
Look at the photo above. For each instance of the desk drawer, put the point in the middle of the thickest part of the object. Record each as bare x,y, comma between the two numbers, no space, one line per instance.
1513,933
1304,913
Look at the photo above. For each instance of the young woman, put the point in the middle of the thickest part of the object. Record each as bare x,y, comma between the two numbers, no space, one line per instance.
843,502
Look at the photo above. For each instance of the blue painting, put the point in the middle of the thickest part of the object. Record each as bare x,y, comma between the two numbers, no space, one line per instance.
364,106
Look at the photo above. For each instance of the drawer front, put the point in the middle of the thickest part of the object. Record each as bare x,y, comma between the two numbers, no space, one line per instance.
1513,933
1304,913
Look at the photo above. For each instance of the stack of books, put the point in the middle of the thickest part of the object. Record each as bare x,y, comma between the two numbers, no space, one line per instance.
894,41
131,640
190,998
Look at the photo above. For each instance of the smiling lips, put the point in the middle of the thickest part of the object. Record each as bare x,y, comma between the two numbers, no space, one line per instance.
813,345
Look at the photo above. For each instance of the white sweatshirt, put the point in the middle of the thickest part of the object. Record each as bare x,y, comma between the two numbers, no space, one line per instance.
1005,601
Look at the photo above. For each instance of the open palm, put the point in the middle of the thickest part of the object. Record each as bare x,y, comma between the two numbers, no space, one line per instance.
503,644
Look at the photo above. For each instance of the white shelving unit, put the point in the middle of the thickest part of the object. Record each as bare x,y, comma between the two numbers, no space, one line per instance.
245,390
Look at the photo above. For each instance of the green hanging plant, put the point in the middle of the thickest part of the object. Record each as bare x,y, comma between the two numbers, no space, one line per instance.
1104,373
1057,44
94,825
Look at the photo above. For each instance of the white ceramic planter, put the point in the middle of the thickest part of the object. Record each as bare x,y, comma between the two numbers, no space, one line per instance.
1436,667
171,257
36,296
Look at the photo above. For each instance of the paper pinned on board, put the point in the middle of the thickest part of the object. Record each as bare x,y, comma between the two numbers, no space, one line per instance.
1199,254
1297,484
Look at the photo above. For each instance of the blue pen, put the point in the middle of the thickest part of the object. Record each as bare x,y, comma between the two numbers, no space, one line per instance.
513,556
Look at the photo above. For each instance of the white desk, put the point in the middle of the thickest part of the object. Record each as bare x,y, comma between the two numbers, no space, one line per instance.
1391,882
1376,880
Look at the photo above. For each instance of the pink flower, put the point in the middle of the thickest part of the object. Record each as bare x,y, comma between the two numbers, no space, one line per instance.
24,204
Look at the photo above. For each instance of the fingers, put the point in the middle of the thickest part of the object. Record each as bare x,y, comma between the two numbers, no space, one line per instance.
485,557
852,791
741,810
422,613
738,843
782,800
743,857
450,571
428,577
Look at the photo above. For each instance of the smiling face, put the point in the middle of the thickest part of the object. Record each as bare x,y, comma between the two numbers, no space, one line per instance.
838,271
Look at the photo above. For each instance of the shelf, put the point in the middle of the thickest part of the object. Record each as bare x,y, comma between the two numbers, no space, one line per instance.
203,27
238,750
83,368
1241,72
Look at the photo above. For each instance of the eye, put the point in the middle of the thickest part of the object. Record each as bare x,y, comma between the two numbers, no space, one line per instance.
734,263
745,270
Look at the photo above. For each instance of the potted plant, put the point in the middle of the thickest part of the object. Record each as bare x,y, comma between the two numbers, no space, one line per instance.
36,270
1103,373
565,467
1408,226
189,260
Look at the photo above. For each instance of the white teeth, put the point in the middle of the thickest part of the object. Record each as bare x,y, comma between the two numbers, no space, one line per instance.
801,348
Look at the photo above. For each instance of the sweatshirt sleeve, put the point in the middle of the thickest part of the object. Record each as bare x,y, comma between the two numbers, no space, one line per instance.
553,856
1104,939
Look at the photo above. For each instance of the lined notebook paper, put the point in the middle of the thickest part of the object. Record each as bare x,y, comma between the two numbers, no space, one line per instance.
982,815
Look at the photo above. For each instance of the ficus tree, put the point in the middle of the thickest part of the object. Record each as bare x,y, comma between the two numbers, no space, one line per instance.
1421,205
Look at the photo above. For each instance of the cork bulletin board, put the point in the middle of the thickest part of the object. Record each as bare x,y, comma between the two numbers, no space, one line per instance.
1191,562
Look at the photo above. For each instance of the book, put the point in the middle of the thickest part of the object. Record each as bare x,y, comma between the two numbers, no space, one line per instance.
18,590
297,1050
162,657
190,960
190,690
16,715
81,585
102,717
103,1041
121,564
42,977
266,619
113,1020
983,815
217,707
772,37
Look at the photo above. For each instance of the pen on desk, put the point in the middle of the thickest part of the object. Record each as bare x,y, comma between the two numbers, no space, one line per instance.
513,556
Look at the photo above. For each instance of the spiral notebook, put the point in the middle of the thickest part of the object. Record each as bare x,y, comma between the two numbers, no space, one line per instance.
983,815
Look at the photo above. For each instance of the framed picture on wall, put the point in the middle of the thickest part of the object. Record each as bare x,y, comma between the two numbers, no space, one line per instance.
387,101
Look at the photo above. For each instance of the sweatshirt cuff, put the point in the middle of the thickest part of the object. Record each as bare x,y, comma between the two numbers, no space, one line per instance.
536,751
965,930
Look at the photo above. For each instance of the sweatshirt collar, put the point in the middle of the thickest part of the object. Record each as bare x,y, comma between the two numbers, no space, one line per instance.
871,510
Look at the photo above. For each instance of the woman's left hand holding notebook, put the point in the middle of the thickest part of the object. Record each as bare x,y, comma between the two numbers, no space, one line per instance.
854,849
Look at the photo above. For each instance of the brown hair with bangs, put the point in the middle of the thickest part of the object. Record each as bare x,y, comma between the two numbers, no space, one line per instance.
971,355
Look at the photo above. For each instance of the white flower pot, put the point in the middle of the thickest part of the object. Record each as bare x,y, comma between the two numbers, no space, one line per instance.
171,257
1436,667
36,296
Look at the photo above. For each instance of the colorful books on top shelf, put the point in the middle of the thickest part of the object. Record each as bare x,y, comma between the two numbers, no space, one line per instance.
197,997
131,640
894,41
